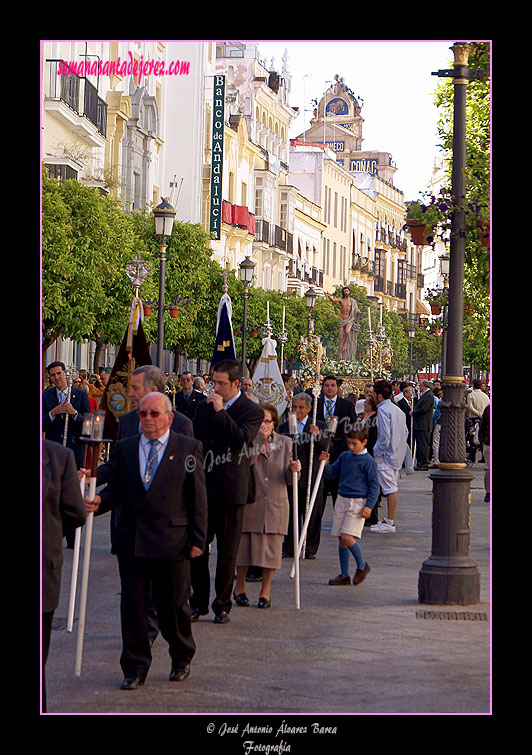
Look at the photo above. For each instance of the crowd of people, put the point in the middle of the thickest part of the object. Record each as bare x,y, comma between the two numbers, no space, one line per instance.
194,466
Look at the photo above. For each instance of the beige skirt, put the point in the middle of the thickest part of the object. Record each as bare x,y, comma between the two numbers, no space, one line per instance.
259,549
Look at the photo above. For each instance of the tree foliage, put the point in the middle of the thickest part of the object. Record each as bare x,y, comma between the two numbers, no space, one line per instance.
478,198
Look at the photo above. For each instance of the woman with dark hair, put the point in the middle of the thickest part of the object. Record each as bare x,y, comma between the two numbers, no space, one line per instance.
266,519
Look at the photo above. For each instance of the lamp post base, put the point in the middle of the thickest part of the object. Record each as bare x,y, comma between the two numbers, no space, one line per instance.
441,584
449,576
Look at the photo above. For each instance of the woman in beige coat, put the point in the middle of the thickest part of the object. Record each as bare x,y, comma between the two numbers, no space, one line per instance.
266,520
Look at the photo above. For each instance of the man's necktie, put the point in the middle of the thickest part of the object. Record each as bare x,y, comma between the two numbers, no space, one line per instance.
151,464
328,409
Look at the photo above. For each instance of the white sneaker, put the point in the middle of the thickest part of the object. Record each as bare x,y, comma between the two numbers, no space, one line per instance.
383,526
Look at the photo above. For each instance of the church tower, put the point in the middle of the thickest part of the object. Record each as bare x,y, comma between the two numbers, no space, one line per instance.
337,122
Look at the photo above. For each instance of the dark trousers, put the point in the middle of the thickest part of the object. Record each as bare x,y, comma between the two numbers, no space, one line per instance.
46,633
224,523
314,525
330,488
422,438
170,586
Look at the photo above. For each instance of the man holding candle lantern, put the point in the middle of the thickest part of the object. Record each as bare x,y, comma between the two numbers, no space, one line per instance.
162,526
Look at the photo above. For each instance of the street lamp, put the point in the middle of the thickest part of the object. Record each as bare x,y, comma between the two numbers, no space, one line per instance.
246,270
164,215
310,298
411,335
449,575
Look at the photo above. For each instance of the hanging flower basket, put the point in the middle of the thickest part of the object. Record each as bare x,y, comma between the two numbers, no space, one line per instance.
174,311
148,309
484,226
435,308
254,332
418,232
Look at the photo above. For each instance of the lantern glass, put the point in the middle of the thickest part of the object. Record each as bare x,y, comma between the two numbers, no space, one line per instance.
444,265
310,297
88,418
292,423
97,427
246,270
411,333
164,218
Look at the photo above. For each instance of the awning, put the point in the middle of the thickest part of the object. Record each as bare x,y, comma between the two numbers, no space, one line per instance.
421,308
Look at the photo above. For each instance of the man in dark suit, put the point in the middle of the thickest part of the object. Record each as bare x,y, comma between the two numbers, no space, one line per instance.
62,511
187,399
422,424
158,481
55,409
226,423
144,380
406,403
331,404
302,405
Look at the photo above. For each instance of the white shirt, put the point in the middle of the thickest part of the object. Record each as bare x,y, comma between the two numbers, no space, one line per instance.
232,400
144,450
392,434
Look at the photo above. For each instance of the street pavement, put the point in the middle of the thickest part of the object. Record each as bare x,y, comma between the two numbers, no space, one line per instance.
365,649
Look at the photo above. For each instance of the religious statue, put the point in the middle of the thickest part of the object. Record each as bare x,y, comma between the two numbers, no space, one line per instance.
348,326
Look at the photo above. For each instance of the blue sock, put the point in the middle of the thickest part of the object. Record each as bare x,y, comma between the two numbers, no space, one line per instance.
356,550
343,553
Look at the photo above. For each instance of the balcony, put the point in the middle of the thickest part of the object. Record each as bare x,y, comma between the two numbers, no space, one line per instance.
296,269
74,101
274,236
238,216
400,290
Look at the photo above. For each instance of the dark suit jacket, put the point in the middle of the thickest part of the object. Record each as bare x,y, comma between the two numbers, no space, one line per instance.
303,449
405,406
62,511
188,408
54,429
345,411
227,436
422,413
165,521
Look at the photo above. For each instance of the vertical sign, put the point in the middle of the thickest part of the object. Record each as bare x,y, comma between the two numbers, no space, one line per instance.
217,155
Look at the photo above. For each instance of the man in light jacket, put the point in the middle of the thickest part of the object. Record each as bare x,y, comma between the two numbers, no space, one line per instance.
389,450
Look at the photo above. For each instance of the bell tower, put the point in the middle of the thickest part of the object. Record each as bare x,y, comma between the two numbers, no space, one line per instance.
338,123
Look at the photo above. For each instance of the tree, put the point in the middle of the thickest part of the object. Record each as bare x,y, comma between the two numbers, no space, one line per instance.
87,240
477,262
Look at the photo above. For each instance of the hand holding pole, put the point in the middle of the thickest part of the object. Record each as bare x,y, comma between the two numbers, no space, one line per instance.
292,429
331,430
95,441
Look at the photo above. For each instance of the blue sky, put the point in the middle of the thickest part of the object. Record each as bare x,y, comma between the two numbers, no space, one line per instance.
394,81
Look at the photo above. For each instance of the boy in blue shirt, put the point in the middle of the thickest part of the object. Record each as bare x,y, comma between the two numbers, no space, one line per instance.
358,492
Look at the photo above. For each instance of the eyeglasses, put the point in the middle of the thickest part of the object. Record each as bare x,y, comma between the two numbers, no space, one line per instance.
149,413
267,421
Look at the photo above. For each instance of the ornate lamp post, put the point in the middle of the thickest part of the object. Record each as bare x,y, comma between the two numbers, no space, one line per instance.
246,271
411,336
310,298
164,215
449,576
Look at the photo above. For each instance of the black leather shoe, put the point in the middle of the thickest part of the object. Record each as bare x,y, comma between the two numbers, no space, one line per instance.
196,614
222,618
264,603
133,682
241,599
179,674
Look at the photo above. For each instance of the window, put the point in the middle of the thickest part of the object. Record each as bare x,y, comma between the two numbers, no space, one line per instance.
380,261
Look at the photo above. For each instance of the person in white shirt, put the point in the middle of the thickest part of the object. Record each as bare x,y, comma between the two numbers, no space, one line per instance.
389,450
